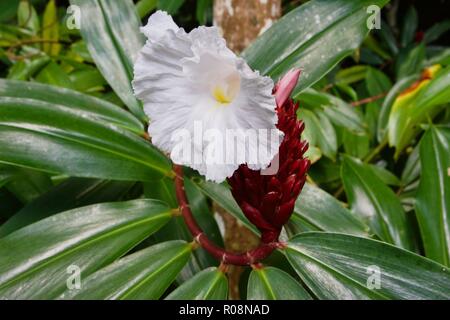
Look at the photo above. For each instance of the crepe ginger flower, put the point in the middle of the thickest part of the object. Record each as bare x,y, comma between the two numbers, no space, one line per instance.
208,110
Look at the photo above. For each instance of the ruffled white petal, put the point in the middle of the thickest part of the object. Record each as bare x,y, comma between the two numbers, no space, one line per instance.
192,81
157,25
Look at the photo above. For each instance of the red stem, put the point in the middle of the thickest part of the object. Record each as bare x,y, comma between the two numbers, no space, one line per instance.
268,244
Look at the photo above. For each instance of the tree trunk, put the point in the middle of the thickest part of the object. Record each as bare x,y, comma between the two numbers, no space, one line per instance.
241,22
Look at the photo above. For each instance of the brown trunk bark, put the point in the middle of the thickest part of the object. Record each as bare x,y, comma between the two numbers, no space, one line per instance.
241,22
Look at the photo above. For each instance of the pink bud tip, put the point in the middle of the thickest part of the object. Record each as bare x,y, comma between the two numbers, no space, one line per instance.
286,85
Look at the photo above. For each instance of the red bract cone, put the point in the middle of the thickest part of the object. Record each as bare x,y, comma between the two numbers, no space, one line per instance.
268,200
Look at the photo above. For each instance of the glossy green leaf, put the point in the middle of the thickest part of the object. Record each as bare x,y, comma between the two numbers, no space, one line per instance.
371,43
377,82
140,276
27,17
50,29
210,284
54,75
319,132
204,11
177,229
221,194
98,109
8,9
60,139
23,70
321,210
416,107
385,175
436,31
170,6
412,169
410,61
274,284
72,193
26,184
399,87
87,80
111,31
313,37
337,266
338,111
87,238
356,145
351,75
144,7
410,24
346,91
376,203
387,35
433,197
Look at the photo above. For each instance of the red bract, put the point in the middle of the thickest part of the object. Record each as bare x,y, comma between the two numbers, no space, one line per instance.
268,200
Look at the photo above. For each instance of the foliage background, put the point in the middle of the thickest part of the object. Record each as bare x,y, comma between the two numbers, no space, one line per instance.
75,190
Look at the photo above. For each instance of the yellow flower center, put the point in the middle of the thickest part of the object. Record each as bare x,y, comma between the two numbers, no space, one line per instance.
220,96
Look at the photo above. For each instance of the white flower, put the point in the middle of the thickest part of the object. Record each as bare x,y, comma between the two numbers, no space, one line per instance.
192,80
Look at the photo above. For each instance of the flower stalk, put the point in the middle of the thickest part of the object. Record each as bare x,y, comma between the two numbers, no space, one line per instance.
244,259
266,200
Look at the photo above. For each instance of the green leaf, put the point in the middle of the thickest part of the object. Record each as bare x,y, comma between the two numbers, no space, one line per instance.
410,61
89,238
389,101
54,75
164,190
436,31
356,145
140,276
274,284
416,107
221,194
27,185
372,44
388,36
88,80
324,212
377,82
376,203
385,175
144,7
412,169
170,6
98,109
319,132
351,75
338,111
337,266
8,9
204,11
410,24
72,193
210,284
50,29
433,197
111,31
60,139
27,17
24,70
313,37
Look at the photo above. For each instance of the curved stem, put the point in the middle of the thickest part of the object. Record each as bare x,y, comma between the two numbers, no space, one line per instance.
244,259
